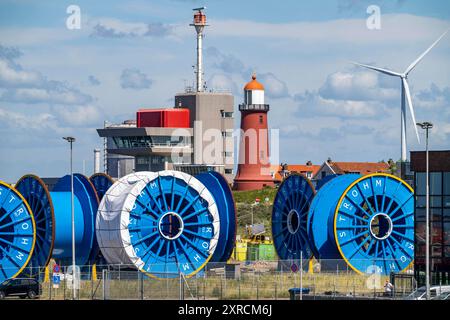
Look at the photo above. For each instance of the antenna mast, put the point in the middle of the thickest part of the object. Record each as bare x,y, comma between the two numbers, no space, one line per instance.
199,24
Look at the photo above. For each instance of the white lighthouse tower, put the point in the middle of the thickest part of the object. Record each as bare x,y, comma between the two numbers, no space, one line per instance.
199,24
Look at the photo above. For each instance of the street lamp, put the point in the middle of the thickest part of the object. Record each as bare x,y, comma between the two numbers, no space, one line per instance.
71,140
427,126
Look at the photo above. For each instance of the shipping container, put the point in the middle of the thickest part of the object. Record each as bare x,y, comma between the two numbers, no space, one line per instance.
163,118
240,251
260,251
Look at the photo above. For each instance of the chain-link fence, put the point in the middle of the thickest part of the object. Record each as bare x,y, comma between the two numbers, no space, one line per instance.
255,280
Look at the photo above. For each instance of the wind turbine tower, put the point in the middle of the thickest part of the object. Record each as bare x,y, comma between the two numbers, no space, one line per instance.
405,95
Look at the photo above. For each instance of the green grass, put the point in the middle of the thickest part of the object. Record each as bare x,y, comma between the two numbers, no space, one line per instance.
261,213
248,197
271,285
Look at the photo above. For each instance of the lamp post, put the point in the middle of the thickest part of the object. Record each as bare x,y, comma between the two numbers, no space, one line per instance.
427,126
71,140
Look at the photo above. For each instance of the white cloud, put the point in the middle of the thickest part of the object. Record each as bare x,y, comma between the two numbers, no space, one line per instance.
312,104
230,64
135,79
14,76
79,116
219,81
433,98
16,120
115,28
93,81
61,95
31,87
396,28
358,86
274,87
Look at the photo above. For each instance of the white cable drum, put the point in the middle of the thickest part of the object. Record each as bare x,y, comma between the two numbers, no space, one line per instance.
162,223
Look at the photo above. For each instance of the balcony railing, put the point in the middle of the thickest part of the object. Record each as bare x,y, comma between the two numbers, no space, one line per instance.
253,107
154,145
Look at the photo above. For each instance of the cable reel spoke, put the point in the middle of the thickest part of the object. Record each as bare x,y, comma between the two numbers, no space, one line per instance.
381,227
185,228
18,235
290,217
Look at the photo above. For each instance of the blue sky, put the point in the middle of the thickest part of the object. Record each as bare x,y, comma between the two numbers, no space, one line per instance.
133,54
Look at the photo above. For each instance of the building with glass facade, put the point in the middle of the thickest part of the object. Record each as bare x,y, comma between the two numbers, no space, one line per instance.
439,167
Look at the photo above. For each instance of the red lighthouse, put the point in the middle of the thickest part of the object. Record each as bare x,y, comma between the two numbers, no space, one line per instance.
254,166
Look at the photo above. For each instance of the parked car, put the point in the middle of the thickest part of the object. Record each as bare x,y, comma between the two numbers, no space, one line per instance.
421,293
443,296
21,287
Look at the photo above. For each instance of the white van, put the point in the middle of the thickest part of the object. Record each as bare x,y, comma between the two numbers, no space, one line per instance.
421,293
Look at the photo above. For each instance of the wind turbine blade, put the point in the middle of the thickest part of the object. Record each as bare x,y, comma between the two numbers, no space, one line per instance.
411,109
412,66
385,71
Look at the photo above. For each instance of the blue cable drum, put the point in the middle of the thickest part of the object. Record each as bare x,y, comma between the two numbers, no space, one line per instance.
368,221
374,224
322,207
17,232
290,216
57,205
101,182
220,190
38,197
162,223
86,206
320,183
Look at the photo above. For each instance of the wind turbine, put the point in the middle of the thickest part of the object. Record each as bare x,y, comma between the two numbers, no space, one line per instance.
405,94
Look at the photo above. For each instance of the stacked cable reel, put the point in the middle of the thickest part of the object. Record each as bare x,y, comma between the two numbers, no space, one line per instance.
166,223
162,223
363,222
289,220
52,211
17,232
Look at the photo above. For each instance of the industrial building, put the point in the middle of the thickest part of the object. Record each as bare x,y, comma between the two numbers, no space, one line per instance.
439,168
180,137
116,164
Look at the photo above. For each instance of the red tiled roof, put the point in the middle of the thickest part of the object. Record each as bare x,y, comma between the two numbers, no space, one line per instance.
359,167
294,168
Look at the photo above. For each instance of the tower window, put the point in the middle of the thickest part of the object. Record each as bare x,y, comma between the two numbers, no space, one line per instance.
226,114
261,119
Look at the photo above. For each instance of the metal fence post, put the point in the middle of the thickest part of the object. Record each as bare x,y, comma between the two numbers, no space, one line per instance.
301,275
354,288
181,287
334,286
225,283
276,283
257,289
104,284
204,287
141,284
239,287
65,281
314,284
92,286
221,288
50,289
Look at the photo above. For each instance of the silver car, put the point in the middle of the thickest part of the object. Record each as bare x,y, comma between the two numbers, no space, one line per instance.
435,291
